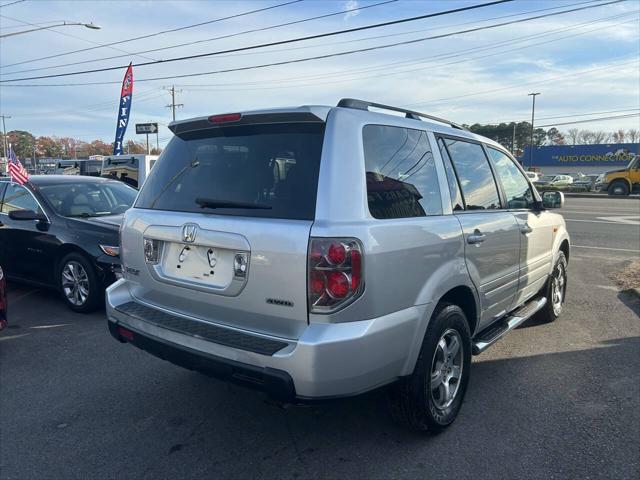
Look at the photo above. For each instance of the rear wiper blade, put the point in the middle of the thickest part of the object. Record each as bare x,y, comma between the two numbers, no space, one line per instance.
213,203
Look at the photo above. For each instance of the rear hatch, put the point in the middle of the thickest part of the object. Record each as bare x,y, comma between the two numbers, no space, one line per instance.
220,229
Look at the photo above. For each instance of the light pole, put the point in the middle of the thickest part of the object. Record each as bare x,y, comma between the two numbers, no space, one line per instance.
533,116
4,133
90,25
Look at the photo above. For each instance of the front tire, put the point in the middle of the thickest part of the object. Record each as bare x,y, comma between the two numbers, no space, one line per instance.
618,188
555,291
78,283
430,399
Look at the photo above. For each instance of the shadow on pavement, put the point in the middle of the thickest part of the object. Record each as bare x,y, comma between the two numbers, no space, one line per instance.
564,415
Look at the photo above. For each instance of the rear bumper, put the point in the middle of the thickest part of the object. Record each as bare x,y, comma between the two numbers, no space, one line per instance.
327,361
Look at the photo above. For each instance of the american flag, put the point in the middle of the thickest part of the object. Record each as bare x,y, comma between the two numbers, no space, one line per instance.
16,171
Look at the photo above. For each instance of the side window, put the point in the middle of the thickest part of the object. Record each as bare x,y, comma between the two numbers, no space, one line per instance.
516,187
17,197
401,174
454,189
474,173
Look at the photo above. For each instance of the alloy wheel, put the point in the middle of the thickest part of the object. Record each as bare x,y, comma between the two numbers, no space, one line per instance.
75,283
446,369
558,283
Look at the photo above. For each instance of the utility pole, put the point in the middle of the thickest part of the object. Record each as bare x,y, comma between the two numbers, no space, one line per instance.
513,140
173,104
533,116
4,131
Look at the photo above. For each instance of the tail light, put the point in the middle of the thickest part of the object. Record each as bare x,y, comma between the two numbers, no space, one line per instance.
335,273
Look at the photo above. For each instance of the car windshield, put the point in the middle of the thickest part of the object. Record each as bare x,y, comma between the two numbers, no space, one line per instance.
89,199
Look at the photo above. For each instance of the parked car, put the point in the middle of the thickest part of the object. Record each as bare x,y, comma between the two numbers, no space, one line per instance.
385,253
533,176
3,300
588,182
61,232
554,181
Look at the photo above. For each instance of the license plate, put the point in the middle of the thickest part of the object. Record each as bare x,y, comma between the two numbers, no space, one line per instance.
199,263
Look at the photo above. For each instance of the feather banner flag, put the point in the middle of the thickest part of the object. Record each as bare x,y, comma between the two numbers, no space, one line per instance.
124,108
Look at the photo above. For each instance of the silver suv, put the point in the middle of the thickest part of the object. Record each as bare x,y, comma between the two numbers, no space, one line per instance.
318,252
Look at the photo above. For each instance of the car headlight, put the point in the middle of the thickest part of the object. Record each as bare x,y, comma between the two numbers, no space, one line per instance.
110,250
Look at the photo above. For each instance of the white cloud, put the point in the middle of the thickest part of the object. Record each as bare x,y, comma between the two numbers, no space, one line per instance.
350,5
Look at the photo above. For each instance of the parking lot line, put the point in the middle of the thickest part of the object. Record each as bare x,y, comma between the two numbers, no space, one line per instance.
598,221
607,248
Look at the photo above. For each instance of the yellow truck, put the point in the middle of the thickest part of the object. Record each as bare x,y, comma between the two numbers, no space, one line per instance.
624,181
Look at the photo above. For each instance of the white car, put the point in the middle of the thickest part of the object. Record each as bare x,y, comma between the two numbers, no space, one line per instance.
533,176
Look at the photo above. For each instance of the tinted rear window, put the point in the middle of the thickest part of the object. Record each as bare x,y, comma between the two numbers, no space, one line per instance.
253,170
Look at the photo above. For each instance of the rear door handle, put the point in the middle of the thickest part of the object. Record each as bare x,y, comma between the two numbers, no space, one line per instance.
525,229
476,237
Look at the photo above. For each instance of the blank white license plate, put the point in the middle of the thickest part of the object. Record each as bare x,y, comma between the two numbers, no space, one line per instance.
207,265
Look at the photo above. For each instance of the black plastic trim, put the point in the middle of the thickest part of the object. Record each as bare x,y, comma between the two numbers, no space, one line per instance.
200,329
276,383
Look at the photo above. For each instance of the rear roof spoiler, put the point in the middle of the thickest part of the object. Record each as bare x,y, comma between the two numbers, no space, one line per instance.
203,123
364,105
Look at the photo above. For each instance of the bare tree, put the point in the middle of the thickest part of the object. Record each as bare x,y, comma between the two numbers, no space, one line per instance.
633,135
585,137
618,137
573,134
600,136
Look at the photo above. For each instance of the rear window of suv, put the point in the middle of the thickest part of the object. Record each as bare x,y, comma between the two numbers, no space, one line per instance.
268,170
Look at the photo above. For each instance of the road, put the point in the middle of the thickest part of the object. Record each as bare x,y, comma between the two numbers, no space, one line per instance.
548,401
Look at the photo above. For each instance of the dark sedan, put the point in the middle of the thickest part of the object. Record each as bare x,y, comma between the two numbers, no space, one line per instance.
62,232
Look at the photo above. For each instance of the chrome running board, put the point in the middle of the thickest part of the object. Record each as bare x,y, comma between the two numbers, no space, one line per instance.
497,330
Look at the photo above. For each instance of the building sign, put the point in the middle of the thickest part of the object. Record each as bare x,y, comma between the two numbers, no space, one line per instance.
603,155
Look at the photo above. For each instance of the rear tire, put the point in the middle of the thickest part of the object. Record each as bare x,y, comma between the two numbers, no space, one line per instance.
555,291
430,399
78,284
618,187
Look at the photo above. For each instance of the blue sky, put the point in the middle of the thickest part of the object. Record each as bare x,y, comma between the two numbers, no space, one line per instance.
582,62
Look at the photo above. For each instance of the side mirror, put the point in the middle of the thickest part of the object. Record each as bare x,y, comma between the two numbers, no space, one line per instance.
551,199
25,215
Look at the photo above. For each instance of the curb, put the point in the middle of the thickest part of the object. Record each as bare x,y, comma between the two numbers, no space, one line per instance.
600,195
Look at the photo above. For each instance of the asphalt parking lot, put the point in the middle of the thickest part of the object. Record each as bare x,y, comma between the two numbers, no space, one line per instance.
549,401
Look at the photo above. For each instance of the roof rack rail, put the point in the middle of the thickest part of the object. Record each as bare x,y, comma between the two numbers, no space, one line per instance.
364,105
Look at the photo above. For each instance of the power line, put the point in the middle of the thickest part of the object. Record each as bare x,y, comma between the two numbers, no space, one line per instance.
11,3
484,92
457,53
52,29
163,32
569,115
254,30
317,57
292,40
107,105
599,119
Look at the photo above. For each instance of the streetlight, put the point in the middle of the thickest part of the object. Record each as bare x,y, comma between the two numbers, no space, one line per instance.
533,113
90,25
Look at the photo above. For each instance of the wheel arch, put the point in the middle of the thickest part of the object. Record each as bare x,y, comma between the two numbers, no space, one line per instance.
64,250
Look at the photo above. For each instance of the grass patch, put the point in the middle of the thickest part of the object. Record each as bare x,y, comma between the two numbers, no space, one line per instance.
627,278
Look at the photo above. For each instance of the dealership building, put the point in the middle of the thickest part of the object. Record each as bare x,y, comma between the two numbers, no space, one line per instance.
587,159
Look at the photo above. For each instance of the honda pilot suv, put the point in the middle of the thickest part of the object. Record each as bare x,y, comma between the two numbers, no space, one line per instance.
318,252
